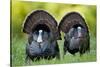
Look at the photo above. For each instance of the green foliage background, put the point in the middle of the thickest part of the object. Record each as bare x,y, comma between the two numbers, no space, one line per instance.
20,9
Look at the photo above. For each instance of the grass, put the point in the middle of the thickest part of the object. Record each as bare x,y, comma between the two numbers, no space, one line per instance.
18,54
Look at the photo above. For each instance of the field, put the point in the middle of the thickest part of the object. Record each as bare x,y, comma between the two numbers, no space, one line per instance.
18,54
19,11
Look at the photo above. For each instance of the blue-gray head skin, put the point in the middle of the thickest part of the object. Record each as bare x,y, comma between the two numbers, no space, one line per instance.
40,36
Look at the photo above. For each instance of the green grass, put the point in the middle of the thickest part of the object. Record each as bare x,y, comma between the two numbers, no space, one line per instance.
20,9
18,54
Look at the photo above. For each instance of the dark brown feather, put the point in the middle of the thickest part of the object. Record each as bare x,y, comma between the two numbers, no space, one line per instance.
40,17
71,19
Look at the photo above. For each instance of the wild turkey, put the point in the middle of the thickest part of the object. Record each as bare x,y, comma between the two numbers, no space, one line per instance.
42,30
76,31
